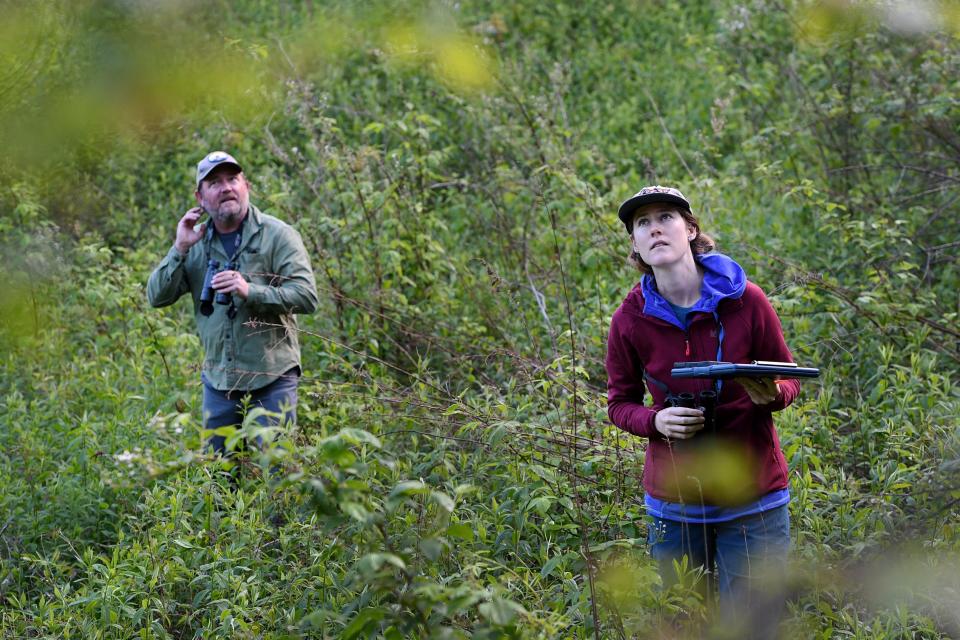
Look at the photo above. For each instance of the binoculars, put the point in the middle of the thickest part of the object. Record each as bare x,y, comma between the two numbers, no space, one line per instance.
208,295
705,400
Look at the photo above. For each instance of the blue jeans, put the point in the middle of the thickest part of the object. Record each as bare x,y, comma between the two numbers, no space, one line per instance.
225,408
736,554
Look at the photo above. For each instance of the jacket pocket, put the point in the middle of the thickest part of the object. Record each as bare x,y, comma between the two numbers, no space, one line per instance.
256,270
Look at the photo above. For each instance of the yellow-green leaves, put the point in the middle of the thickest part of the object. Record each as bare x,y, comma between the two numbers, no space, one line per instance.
457,59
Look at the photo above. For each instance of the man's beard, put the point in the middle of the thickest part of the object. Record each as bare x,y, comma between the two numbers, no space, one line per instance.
228,218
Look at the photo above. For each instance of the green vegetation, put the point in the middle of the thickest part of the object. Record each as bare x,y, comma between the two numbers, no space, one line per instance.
454,170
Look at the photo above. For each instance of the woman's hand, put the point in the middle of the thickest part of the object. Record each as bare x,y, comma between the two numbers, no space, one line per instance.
679,423
760,390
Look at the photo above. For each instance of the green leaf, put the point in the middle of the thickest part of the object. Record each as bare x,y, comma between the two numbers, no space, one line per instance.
442,499
372,562
460,530
553,563
496,434
409,487
501,611
432,548
541,504
356,511
363,619
464,490
542,472
358,437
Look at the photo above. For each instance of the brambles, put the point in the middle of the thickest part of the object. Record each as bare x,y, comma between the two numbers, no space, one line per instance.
453,473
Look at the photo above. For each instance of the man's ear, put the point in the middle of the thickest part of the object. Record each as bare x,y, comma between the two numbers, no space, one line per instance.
196,194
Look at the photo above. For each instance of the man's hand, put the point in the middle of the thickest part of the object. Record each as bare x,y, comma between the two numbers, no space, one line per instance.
187,236
679,423
231,282
760,390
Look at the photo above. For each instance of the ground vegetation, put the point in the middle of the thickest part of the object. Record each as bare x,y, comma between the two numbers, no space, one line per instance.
454,169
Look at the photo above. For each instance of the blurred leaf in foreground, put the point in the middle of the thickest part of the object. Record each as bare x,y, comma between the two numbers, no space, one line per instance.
83,76
457,59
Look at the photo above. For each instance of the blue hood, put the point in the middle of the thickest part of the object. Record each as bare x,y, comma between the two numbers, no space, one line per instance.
722,278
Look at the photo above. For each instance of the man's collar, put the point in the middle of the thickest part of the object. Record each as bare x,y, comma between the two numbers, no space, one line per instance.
254,216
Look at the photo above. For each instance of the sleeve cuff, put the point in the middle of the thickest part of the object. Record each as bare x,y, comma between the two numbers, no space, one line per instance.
175,256
254,293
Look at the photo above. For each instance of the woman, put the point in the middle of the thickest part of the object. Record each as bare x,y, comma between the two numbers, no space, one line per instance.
716,493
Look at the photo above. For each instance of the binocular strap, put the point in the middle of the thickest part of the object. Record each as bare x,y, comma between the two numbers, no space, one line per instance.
717,383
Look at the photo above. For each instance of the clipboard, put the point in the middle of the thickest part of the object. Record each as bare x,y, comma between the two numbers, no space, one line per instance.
757,369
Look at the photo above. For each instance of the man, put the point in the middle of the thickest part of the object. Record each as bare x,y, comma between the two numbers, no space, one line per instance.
262,275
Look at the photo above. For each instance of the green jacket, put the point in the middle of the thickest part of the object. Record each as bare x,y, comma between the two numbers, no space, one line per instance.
242,354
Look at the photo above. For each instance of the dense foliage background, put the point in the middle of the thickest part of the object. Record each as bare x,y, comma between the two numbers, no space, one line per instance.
454,169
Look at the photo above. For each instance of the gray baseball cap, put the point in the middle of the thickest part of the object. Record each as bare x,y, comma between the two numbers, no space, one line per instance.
213,160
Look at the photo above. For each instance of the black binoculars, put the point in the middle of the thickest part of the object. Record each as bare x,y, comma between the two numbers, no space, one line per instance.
207,294
705,400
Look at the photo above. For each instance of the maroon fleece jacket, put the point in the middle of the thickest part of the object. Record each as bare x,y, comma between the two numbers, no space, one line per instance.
640,342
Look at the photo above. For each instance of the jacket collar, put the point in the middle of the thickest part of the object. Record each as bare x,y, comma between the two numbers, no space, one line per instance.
723,279
251,226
